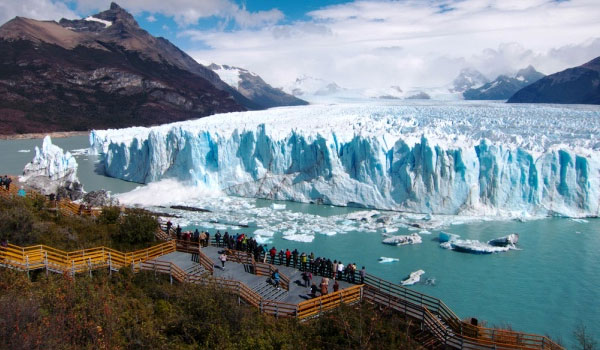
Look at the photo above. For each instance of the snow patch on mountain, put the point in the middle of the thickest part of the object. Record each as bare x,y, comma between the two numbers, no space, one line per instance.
94,19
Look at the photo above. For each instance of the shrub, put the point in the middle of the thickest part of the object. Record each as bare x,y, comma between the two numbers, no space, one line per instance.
137,227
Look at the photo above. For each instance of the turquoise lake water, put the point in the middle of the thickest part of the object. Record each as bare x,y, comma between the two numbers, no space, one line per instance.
548,286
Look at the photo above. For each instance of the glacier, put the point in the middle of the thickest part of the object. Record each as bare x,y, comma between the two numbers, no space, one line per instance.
482,158
51,169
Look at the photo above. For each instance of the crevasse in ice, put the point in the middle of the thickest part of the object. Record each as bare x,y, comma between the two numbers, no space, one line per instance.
450,158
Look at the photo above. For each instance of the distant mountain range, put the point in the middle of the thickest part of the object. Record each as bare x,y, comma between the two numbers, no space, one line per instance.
503,87
254,88
578,85
105,71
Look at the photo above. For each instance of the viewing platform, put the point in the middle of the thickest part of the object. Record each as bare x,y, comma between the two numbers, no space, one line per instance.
249,280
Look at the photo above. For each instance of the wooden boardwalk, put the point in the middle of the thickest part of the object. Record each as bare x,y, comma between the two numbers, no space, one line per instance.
242,272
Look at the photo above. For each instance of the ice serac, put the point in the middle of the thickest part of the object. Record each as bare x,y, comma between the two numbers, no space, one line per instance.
473,159
52,171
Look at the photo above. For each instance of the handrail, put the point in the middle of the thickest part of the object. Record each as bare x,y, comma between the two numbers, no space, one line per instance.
41,256
195,248
416,305
329,301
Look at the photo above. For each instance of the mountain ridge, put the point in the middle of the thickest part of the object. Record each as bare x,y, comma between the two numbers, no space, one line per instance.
576,85
103,71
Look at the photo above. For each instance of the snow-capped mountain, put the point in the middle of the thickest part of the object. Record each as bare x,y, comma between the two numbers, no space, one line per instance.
428,157
503,87
254,88
468,78
311,86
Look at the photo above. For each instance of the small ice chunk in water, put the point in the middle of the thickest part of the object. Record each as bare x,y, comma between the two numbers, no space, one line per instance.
413,278
384,259
300,238
276,206
264,232
262,240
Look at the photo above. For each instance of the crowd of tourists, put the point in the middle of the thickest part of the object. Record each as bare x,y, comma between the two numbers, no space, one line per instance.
309,264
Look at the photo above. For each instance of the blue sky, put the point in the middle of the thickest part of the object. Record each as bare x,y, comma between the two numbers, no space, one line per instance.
363,43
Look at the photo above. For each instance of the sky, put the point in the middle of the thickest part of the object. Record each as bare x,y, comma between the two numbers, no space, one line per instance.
360,44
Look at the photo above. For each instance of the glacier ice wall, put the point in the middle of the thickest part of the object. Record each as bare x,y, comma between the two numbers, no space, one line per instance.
474,159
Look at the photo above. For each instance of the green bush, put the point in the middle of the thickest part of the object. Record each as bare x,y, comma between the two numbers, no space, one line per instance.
137,226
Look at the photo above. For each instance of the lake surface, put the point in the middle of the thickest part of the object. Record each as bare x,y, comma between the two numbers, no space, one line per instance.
546,287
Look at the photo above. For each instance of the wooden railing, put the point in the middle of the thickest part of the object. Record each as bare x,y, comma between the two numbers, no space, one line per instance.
457,333
260,268
316,306
41,256
264,269
194,248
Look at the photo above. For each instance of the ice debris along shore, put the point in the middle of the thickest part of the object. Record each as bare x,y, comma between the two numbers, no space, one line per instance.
52,171
450,158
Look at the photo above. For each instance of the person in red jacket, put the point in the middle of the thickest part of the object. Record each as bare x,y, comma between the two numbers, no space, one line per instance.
288,257
273,253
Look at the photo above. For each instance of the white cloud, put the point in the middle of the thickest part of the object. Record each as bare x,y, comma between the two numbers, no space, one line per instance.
151,19
189,12
36,9
412,43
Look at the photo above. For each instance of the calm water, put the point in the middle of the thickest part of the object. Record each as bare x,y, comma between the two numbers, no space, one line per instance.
546,287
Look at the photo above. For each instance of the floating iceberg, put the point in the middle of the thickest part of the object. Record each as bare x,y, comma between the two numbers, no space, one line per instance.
440,158
505,241
403,240
413,278
383,259
473,246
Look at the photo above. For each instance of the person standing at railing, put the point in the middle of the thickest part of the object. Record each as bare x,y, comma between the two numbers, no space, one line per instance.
281,254
362,273
218,238
178,232
303,261
288,257
206,239
336,286
264,253
273,253
223,258
334,268
196,236
295,258
340,271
